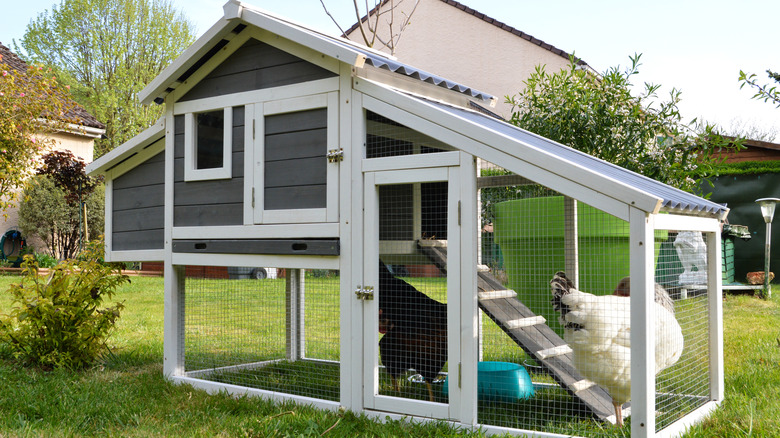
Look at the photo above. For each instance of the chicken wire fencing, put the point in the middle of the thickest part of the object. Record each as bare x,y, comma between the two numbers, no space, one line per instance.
556,314
413,291
271,329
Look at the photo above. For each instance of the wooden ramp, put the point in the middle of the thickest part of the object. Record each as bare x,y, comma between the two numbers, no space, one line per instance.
531,333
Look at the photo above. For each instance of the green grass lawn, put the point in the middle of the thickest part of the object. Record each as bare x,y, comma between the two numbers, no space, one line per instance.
126,394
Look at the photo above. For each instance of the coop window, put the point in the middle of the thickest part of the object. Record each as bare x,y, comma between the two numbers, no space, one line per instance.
208,140
388,138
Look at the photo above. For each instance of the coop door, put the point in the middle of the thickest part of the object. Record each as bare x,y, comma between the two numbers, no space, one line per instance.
411,334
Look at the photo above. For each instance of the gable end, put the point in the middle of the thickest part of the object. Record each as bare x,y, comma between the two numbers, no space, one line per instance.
254,66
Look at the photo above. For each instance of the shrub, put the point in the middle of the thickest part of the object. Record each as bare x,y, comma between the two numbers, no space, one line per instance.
44,260
57,320
45,212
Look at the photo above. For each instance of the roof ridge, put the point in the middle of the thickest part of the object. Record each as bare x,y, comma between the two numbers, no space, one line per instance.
513,31
485,18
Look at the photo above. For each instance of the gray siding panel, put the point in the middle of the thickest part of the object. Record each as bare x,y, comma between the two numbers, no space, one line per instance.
293,145
295,197
137,207
255,66
297,121
138,219
300,172
138,197
295,163
209,215
138,240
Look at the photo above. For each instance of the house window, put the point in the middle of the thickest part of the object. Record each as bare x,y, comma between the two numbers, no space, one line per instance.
208,145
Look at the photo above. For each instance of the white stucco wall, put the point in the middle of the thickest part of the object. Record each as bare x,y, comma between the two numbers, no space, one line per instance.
80,146
456,45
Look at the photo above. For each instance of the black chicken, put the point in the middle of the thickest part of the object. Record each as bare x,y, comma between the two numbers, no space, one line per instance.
415,328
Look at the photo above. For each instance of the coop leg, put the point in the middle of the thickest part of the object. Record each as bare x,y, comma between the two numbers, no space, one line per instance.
294,305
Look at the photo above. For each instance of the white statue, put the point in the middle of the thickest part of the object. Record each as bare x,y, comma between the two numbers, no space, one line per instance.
692,252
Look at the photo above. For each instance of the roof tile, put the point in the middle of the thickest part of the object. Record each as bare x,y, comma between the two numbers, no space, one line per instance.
78,113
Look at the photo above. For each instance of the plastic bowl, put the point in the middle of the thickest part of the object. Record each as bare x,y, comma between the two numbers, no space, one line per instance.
500,381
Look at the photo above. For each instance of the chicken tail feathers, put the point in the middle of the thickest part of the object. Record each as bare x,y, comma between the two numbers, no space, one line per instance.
560,286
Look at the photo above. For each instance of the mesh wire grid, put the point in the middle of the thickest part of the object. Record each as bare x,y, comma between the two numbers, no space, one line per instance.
412,286
278,334
523,245
413,291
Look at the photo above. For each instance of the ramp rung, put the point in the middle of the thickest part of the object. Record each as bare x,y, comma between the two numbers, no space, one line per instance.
525,322
496,294
555,351
582,385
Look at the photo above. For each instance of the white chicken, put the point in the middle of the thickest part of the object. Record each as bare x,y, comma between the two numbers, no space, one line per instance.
598,330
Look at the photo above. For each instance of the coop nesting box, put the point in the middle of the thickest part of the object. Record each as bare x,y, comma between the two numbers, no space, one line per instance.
321,160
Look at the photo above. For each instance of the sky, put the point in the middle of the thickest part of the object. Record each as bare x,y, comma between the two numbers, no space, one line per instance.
696,46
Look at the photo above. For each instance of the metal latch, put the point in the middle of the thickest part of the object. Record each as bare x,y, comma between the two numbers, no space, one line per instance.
365,293
335,155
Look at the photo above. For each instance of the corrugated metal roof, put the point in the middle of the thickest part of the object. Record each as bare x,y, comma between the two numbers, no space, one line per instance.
673,199
379,61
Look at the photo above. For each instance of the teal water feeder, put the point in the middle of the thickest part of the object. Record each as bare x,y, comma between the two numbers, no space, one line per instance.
500,381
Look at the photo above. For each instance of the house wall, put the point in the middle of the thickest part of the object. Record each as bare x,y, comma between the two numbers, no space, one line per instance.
448,42
81,147
138,206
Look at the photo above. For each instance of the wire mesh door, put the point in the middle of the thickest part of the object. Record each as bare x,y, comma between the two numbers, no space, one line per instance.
411,338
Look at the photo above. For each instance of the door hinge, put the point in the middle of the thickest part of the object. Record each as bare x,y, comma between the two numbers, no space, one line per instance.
459,373
458,213
335,155
365,293
253,197
253,129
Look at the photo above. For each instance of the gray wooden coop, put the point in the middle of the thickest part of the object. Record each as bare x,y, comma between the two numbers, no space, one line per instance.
316,159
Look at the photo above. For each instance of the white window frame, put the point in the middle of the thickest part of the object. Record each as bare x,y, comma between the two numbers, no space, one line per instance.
329,213
191,171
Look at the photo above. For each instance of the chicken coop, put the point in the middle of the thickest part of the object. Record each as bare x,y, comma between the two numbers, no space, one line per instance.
429,260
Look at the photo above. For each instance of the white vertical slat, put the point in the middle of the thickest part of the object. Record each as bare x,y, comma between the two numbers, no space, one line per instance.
370,270
350,319
454,295
173,325
714,287
464,407
108,224
258,163
292,318
642,327
571,247
249,163
334,142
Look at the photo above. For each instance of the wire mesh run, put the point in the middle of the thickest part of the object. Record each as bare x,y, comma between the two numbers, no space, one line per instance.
413,291
556,314
278,333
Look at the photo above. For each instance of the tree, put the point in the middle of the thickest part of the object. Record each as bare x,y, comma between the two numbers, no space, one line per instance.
107,51
600,116
767,92
32,103
54,201
386,14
